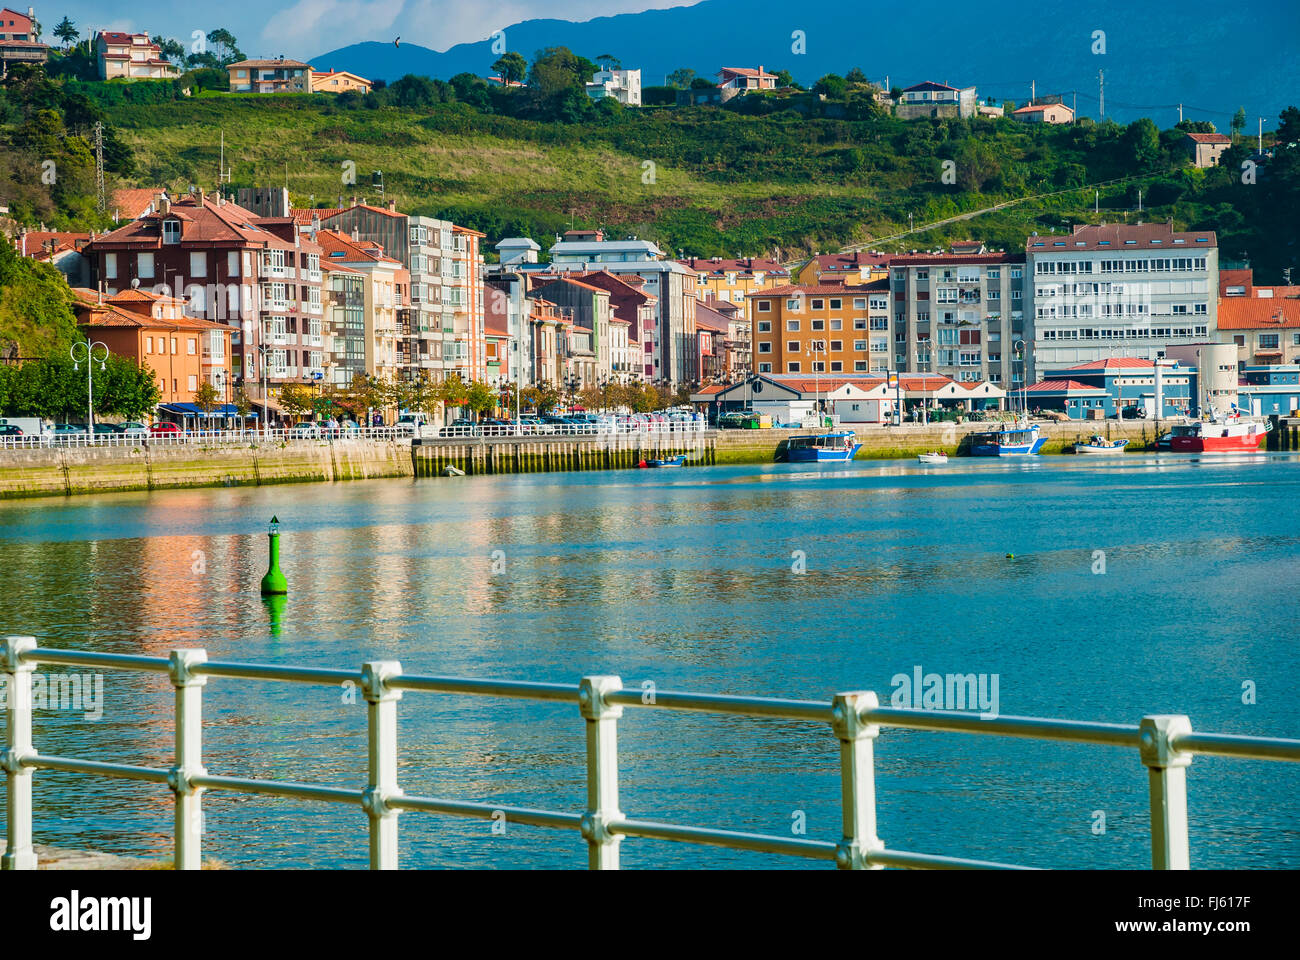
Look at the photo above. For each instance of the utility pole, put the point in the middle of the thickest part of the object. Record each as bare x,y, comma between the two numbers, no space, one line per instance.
101,201
1101,91
1260,147
1032,91
1139,201
1180,113
1096,201
1075,100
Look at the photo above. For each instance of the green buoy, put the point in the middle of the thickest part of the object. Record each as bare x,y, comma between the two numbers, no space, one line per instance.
274,584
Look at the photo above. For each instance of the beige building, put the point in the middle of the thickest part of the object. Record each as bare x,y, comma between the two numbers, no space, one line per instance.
338,81
1205,148
1044,113
385,296
270,76
130,56
732,280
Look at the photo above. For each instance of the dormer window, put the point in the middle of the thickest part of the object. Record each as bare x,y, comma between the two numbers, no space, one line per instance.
171,231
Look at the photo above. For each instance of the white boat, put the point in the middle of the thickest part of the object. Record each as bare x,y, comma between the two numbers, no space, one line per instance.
933,457
1098,444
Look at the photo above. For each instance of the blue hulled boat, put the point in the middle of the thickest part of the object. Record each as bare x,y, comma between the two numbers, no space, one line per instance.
823,448
1016,441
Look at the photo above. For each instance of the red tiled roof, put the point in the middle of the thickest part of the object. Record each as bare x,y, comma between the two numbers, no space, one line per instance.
1249,313
743,265
928,85
747,72
333,242
212,223
1059,386
956,259
813,289
1208,137
1113,363
131,203
1040,107
711,389
304,215
826,384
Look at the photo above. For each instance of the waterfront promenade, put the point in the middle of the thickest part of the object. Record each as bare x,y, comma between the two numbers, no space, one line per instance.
125,463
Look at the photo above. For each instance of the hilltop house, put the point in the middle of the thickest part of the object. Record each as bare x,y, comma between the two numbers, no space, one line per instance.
737,80
338,81
18,39
623,85
1205,148
270,76
130,56
1044,113
932,99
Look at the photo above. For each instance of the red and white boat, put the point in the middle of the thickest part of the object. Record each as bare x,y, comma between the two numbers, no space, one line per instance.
1233,435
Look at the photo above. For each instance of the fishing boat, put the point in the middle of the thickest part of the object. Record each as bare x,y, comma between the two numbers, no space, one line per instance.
1231,435
934,456
677,461
1098,444
823,448
1019,440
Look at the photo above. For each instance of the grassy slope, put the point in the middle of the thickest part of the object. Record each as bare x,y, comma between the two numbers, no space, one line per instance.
723,184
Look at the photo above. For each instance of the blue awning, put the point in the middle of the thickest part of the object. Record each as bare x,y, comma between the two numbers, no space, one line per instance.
190,410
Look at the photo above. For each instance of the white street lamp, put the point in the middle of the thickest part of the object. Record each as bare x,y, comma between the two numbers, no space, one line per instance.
87,354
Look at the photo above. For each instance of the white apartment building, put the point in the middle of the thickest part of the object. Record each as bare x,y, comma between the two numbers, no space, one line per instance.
1119,290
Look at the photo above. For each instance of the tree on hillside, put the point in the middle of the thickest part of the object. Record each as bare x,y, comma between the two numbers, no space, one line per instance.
511,68
413,91
831,86
171,49
1288,129
1142,140
608,61
1238,122
558,69
681,78
786,79
856,76
227,47
67,31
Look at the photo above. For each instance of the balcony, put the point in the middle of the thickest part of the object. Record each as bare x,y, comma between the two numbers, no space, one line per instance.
315,308
279,271
312,276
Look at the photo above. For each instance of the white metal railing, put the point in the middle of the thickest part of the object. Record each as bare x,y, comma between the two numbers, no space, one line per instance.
251,434
602,429
1165,745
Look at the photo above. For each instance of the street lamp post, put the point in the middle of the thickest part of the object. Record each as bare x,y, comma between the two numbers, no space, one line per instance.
89,357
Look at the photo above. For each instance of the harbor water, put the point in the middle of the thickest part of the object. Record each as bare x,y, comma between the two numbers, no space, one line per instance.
1083,589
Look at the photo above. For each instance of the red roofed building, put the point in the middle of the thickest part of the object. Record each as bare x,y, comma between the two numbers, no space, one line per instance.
737,80
18,43
1204,149
131,56
1264,322
338,81
1044,113
258,275
153,330
721,279
932,99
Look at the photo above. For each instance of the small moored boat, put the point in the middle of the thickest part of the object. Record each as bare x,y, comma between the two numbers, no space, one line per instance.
934,456
823,448
677,461
1020,440
1233,435
1098,444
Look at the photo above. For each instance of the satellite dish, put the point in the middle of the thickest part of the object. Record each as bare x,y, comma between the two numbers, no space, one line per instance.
135,284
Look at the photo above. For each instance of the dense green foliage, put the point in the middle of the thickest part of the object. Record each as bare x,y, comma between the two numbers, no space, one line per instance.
35,307
56,388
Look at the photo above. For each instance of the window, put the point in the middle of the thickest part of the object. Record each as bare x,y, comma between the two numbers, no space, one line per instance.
860,346
1268,341
837,304
193,383
148,345
792,367
764,346
837,323
859,303
819,304
860,323
792,346
859,366
765,326
837,346
794,304
819,366
792,326
764,306
192,346
232,263
819,324
171,231
764,368
144,266
174,346
198,264
110,266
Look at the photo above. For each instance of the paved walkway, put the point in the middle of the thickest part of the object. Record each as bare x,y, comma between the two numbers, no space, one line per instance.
55,858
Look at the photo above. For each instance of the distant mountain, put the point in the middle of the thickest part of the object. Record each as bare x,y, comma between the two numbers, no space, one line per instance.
1211,56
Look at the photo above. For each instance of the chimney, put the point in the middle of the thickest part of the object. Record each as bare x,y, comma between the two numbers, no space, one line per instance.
198,195
164,205
392,206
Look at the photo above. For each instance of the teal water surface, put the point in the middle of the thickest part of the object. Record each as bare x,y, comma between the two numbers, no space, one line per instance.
685,578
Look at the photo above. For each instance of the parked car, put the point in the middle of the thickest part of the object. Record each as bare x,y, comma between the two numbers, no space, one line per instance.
69,429
10,430
1134,413
106,429
165,428
131,428
305,431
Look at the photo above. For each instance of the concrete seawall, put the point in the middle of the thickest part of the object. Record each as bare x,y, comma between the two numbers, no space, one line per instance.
45,471
65,471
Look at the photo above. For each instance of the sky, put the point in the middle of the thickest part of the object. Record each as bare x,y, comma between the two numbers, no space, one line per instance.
305,28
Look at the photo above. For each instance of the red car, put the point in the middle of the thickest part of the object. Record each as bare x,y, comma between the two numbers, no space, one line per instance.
163,427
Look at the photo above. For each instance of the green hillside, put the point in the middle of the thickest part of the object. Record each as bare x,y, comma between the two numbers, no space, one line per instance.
783,176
